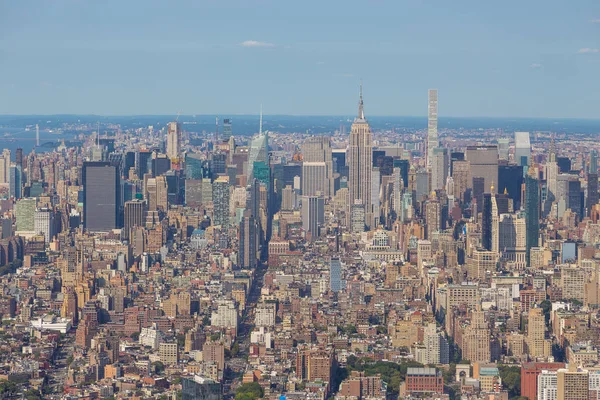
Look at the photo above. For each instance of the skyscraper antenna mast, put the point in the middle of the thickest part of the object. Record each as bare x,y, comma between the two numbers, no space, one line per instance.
216,130
260,124
361,111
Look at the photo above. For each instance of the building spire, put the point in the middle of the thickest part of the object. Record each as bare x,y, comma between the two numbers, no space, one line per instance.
361,111
260,124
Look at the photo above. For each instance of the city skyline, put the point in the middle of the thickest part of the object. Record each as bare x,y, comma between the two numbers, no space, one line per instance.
485,59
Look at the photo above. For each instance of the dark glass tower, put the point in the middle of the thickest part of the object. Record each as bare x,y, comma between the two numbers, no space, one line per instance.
404,166
486,221
101,188
510,180
532,213
592,191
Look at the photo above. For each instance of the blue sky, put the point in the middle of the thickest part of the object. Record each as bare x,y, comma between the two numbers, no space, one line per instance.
534,58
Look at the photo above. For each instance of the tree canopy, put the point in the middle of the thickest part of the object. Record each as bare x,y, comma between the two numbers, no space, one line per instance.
249,391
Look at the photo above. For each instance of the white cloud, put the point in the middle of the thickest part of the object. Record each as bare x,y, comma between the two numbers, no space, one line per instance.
596,21
320,62
536,66
587,50
256,43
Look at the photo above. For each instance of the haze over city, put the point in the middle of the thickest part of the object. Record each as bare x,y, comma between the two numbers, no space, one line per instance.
335,200
510,59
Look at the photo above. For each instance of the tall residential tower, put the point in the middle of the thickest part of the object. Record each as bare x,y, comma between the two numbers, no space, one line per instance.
432,126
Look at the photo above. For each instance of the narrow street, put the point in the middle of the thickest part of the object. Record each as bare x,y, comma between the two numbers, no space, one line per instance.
238,364
58,374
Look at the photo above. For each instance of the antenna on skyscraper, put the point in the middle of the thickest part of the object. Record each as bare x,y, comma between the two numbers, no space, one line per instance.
260,124
37,135
361,111
216,130
98,135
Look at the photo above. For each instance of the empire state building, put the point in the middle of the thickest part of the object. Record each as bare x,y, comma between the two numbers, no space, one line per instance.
360,164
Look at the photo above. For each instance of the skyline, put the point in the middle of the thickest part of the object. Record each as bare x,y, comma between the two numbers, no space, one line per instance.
486,60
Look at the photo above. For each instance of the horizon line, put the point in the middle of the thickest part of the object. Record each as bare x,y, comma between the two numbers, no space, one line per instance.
292,115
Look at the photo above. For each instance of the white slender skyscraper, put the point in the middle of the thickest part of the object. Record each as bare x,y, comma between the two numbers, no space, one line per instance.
360,163
432,126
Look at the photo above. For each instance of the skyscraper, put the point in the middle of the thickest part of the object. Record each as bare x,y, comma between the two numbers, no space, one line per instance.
592,191
522,149
357,217
227,130
317,149
335,275
196,167
503,147
314,179
5,166
439,167
19,157
143,163
259,150
484,164
15,183
537,345
101,196
44,223
360,163
486,221
25,215
248,241
593,167
313,215
512,238
134,213
173,140
510,180
532,213
433,216
432,126
461,174
221,201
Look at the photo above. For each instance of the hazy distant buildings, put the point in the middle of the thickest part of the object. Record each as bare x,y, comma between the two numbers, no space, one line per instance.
227,130
522,148
503,148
